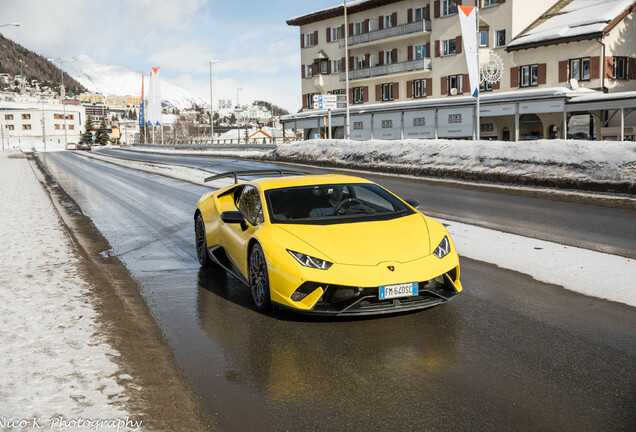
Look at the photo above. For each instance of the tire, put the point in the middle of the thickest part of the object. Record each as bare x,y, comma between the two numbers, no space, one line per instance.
259,279
201,242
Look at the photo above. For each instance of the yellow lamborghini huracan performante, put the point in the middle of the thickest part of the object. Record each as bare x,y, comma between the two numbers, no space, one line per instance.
325,244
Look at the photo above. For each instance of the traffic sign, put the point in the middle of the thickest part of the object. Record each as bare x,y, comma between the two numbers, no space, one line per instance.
325,105
325,98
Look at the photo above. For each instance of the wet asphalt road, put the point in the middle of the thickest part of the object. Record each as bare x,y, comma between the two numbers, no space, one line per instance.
602,229
509,353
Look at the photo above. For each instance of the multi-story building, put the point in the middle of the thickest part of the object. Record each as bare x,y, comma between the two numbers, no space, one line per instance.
37,121
408,54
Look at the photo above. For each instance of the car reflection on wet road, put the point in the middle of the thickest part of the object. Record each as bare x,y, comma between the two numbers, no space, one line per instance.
510,353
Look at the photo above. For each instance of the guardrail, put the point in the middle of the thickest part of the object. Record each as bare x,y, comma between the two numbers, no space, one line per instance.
218,141
210,147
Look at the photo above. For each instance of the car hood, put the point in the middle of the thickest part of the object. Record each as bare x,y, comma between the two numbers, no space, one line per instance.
367,243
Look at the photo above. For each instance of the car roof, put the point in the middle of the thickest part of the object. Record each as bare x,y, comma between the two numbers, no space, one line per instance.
305,180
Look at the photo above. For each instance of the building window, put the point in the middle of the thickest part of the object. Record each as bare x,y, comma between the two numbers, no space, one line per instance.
419,52
483,38
26,117
358,62
338,92
620,67
419,88
485,86
449,7
58,116
491,2
500,38
387,92
309,71
388,22
419,14
336,33
310,101
358,28
71,127
309,39
358,95
10,127
323,67
336,66
529,76
388,57
448,47
8,116
69,116
57,127
26,127
455,82
580,69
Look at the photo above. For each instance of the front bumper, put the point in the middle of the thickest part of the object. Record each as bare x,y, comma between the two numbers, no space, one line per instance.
356,301
354,290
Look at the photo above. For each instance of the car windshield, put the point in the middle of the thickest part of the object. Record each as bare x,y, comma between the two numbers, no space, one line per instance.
333,203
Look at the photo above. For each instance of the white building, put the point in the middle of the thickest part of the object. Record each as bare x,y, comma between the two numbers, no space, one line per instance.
38,121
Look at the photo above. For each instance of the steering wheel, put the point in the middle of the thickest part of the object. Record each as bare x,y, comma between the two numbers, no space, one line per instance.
345,204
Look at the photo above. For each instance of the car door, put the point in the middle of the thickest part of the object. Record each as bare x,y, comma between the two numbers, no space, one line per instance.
237,236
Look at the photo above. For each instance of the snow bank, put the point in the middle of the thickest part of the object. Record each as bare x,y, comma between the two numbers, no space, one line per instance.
597,165
54,361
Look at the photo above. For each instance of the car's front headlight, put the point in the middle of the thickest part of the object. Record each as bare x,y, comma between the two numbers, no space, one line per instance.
309,261
443,248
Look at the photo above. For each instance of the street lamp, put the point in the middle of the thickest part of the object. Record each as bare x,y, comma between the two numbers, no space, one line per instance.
347,130
11,24
62,95
212,103
238,129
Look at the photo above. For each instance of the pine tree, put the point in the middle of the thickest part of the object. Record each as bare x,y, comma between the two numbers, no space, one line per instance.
87,136
102,133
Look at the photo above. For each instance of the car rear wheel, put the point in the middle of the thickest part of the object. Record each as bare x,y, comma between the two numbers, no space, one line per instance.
259,280
201,242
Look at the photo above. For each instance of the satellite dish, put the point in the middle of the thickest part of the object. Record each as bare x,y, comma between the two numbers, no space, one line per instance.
453,91
574,83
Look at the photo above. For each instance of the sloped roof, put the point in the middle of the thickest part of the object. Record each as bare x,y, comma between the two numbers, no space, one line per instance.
335,11
572,20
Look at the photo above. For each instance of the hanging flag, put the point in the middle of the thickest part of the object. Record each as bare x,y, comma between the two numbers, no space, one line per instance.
154,98
142,121
468,23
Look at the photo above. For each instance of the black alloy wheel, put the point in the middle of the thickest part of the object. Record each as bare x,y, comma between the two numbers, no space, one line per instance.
259,280
201,242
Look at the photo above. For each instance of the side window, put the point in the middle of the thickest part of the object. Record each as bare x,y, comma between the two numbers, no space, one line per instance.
249,203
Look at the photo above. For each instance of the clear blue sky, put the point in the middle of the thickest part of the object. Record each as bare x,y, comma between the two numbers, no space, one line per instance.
257,50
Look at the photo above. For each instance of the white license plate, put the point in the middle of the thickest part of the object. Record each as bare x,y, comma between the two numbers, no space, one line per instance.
398,290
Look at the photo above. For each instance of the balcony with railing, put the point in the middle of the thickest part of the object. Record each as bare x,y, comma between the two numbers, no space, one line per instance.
400,30
389,69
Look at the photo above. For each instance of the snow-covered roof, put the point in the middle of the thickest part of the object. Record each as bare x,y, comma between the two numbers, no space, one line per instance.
577,20
334,11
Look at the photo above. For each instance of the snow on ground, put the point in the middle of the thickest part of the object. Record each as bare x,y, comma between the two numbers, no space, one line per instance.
575,269
55,366
32,144
568,160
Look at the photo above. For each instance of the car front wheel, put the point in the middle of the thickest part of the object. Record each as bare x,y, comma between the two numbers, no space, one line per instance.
259,280
201,242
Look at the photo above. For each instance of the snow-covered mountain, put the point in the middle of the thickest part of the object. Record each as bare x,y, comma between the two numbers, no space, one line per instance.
117,80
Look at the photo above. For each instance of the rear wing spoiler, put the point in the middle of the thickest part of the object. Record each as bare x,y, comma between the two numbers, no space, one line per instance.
263,173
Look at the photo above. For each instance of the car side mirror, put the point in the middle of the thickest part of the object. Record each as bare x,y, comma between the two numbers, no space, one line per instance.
234,217
413,202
